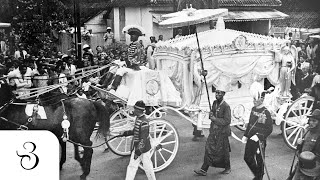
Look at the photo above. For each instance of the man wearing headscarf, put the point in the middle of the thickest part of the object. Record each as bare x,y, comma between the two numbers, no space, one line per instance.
217,148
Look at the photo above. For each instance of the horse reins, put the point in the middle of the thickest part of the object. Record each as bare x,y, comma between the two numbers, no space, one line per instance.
21,127
84,146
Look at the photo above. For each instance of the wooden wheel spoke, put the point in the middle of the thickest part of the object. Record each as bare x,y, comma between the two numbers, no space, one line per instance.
162,157
167,143
125,145
300,106
155,159
162,129
293,132
295,113
290,127
167,135
310,109
119,143
167,150
296,137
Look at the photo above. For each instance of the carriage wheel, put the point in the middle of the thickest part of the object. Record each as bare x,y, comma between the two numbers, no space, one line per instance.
295,121
238,113
164,135
120,121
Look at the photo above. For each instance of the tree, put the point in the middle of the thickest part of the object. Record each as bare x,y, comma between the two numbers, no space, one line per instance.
38,22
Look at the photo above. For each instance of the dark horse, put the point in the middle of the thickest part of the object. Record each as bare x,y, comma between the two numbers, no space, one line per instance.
82,114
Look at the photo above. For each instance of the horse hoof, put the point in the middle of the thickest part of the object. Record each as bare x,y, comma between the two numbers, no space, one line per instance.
83,177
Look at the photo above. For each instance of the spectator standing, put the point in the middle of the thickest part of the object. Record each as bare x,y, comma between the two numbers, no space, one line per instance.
87,51
108,37
160,38
20,53
179,33
150,50
217,148
3,45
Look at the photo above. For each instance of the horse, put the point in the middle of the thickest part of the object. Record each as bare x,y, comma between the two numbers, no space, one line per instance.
83,114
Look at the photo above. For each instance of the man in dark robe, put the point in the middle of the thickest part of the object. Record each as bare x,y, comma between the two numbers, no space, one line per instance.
217,148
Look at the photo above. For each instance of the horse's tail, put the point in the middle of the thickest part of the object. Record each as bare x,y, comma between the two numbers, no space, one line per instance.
103,118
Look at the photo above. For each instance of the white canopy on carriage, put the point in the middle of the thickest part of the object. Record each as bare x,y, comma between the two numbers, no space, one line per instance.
232,58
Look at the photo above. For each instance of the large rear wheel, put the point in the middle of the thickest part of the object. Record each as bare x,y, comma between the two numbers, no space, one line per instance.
296,121
163,135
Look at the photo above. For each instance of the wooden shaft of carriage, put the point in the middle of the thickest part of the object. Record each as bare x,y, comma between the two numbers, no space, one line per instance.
204,72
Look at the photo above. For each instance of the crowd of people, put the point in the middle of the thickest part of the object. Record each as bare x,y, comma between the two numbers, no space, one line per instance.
24,70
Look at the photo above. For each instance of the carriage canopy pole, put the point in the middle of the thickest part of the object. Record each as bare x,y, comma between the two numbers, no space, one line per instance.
204,72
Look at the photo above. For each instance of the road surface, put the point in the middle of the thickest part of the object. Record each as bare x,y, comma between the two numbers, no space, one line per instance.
108,166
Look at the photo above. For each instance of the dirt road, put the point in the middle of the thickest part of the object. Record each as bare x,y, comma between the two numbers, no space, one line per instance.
108,166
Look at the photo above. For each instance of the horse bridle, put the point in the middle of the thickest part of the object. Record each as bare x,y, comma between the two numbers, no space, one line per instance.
20,126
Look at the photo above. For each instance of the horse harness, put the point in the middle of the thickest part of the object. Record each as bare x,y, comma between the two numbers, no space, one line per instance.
31,119
65,123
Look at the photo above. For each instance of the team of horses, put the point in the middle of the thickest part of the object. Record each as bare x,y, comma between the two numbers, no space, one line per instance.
83,114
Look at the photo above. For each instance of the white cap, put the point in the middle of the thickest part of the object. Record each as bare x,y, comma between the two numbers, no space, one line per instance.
64,56
222,87
256,90
108,28
86,46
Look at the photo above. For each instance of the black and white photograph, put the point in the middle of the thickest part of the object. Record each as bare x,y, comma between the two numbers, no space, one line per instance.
160,89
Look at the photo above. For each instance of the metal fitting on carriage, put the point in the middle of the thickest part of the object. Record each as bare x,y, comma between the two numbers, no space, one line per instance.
204,73
35,108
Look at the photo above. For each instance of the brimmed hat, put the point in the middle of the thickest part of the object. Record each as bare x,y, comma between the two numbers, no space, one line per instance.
140,105
86,46
108,28
315,114
308,164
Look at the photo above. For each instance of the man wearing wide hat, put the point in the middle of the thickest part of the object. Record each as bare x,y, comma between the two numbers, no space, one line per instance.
217,148
308,167
135,59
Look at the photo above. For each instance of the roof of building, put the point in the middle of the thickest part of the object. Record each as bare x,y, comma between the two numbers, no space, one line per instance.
302,14
222,3
300,19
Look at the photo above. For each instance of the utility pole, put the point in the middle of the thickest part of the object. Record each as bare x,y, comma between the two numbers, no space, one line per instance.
78,29
213,4
75,27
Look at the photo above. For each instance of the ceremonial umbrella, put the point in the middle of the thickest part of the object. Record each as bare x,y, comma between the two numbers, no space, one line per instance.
193,17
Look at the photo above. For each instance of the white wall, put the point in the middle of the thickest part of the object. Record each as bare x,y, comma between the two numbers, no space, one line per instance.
166,32
96,24
116,22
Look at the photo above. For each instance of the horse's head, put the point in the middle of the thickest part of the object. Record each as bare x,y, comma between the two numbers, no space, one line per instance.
5,92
